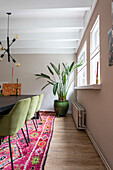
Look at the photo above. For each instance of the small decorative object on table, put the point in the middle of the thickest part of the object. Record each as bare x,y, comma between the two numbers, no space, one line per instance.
17,89
7,89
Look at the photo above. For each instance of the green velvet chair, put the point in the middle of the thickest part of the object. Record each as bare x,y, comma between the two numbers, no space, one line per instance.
39,105
10,124
31,113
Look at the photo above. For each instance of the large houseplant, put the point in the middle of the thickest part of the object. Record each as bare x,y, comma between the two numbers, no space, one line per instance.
61,84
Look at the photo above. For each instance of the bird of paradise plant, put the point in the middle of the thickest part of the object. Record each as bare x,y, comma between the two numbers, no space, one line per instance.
62,82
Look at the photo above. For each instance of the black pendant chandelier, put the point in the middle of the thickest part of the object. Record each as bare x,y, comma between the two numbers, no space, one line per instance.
7,50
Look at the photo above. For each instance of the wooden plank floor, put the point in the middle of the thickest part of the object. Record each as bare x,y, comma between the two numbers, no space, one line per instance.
71,149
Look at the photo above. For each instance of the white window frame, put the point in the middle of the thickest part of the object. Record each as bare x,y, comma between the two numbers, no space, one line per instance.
95,51
82,56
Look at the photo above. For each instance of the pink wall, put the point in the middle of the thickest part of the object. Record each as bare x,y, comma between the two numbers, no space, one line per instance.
99,103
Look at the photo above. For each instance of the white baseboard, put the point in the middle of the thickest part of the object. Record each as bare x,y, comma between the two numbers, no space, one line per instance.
98,150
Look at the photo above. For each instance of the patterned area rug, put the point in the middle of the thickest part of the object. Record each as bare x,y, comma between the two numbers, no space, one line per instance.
32,157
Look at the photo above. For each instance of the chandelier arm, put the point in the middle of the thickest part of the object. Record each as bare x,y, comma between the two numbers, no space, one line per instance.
14,61
5,50
11,57
4,53
12,42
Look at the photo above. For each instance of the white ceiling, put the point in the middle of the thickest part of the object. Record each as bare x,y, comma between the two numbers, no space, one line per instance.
45,26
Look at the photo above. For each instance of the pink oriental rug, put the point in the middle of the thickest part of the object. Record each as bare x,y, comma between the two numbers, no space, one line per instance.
32,157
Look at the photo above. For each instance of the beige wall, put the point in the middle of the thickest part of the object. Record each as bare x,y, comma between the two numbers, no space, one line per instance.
99,103
31,64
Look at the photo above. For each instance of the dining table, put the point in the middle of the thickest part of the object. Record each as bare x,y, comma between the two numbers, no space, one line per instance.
7,102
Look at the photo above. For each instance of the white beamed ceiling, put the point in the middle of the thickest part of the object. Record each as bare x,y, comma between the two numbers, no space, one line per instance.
44,26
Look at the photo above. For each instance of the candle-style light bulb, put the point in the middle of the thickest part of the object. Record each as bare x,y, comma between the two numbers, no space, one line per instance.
1,47
16,36
0,59
17,64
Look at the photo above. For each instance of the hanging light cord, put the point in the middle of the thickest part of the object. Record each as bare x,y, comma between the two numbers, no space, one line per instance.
8,25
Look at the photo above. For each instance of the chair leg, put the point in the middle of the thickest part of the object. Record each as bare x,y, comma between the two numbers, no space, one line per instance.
11,153
34,124
39,115
0,140
27,132
18,135
24,136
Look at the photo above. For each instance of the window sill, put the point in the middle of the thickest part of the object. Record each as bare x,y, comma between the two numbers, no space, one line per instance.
90,87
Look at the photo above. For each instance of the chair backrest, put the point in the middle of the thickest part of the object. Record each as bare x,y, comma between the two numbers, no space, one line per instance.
32,107
10,124
39,102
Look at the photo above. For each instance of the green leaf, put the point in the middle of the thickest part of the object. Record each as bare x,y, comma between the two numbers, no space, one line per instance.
37,75
59,68
65,94
66,67
55,68
45,86
63,77
38,78
55,87
71,66
50,70
77,65
50,82
63,73
45,76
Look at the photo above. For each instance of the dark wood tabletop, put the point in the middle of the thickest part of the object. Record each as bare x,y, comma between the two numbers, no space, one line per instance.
7,102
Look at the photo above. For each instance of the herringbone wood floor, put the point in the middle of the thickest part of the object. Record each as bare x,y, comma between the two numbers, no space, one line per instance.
71,149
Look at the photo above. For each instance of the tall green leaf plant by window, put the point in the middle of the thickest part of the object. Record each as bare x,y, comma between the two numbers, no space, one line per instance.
62,82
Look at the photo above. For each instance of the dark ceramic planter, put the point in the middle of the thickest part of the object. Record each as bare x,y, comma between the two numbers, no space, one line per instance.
61,107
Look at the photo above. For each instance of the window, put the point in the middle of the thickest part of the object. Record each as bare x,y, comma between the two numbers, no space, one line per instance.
95,53
82,71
